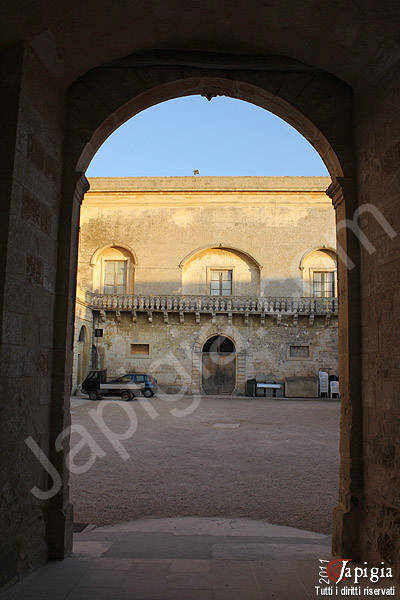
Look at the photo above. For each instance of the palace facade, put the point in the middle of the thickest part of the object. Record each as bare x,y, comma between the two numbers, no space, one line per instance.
206,282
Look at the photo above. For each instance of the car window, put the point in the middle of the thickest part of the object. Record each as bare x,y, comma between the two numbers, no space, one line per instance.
123,379
140,378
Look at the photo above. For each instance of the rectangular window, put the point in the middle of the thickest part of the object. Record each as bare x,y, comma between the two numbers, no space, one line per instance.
221,282
114,277
98,333
323,284
142,349
299,352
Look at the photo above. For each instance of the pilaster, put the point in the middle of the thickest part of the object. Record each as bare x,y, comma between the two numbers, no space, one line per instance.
346,518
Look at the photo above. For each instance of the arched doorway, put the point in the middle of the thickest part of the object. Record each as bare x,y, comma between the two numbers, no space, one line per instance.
219,365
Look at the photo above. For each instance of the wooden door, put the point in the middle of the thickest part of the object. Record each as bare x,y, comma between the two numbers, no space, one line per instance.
219,372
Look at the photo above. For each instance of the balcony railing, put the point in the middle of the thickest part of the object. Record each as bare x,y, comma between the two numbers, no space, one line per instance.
216,304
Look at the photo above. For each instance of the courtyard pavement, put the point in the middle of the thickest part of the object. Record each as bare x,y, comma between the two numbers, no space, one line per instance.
189,558
182,559
265,459
272,460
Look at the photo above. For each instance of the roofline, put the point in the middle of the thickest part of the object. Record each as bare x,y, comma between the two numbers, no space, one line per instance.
199,183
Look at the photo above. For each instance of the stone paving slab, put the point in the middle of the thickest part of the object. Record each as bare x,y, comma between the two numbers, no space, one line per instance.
137,565
205,547
266,551
203,525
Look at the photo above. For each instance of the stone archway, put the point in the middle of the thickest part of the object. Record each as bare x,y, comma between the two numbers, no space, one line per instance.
317,104
45,48
243,362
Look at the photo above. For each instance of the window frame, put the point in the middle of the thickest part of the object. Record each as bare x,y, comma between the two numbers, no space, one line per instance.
333,282
209,271
308,270
123,379
132,354
103,275
300,358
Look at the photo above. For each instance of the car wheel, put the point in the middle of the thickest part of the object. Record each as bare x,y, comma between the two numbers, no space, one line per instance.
126,396
147,393
94,396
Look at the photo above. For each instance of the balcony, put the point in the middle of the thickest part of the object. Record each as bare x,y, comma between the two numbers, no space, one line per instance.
230,305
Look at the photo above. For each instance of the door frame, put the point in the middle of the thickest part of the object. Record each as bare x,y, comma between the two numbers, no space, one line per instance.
235,360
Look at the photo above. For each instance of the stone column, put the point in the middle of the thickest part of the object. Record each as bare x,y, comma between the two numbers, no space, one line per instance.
346,518
60,512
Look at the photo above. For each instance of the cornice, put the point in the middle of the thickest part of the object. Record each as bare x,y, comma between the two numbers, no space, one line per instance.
335,193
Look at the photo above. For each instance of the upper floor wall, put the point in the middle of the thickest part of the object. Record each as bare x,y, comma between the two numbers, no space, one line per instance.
220,271
261,236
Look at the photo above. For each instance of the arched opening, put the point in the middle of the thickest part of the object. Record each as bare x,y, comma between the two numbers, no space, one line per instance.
319,269
328,131
44,50
113,270
219,365
210,86
220,271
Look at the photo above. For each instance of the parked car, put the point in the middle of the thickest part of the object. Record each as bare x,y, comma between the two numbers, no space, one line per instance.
125,386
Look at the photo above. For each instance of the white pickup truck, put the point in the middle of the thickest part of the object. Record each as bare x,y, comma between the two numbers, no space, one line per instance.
126,386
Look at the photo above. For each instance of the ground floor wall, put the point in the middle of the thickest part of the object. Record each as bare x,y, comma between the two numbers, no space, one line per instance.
172,352
83,344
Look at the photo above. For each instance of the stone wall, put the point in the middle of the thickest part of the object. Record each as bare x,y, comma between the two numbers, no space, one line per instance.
82,348
172,232
172,347
274,221
378,141
32,138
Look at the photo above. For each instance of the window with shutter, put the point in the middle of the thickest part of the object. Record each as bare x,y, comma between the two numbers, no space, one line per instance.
114,277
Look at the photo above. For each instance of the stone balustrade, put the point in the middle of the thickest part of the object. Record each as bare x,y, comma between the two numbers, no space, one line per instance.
244,305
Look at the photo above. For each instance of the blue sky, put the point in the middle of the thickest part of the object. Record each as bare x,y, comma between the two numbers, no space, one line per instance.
222,137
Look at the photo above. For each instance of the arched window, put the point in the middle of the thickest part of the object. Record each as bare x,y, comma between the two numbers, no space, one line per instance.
82,334
320,273
220,271
113,271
